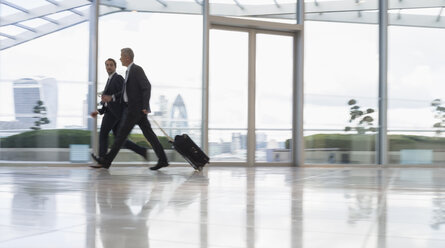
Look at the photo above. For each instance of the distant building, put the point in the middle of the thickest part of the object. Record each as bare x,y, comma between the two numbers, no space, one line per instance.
236,143
178,117
161,114
261,140
27,91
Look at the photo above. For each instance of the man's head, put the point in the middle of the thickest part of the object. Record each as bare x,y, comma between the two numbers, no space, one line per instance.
110,65
127,56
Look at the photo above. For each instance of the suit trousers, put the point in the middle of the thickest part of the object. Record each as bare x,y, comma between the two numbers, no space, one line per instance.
112,123
129,120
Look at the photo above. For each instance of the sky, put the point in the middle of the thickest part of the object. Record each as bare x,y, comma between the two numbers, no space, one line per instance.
341,63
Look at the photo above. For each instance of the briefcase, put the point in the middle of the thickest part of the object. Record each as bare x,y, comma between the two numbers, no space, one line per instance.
188,149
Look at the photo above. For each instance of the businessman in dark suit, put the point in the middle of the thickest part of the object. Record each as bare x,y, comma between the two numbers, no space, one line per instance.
136,102
112,110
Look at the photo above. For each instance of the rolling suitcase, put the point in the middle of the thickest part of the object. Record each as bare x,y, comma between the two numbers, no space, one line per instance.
188,149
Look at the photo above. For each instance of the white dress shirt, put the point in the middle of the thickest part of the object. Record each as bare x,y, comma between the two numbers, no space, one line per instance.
125,85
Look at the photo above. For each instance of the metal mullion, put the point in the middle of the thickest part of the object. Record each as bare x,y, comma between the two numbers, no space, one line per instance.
205,77
271,32
251,107
382,144
92,75
229,28
257,30
298,91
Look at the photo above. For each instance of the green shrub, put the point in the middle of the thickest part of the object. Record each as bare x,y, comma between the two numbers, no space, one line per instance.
356,142
62,138
59,138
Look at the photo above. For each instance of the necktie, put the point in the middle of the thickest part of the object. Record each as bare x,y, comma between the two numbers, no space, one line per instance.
106,85
125,87
105,89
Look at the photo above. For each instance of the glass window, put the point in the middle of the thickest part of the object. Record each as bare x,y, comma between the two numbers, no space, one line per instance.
228,95
274,75
341,89
416,92
169,49
283,11
44,86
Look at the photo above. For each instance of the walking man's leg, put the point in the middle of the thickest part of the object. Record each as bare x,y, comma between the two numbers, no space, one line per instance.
151,137
130,144
127,125
108,122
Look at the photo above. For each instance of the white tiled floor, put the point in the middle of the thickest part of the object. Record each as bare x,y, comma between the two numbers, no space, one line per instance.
221,207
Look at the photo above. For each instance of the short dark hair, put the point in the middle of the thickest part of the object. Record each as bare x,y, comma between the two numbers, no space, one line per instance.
112,60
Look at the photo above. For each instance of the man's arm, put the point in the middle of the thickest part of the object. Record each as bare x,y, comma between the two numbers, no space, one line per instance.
101,110
114,91
145,88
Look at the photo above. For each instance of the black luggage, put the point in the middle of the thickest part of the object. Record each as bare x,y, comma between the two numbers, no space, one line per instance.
191,152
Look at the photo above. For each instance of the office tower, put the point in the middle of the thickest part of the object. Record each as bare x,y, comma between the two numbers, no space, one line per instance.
178,115
27,92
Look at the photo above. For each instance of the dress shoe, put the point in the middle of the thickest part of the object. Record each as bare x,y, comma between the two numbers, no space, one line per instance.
101,163
95,157
98,166
159,166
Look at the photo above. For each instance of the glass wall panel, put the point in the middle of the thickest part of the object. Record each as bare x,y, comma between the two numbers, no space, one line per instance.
228,95
416,91
274,74
43,97
283,11
341,89
169,49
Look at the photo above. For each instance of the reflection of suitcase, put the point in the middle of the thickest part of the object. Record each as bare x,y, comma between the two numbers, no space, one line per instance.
185,146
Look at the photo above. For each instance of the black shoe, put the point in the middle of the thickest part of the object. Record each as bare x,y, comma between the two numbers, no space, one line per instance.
95,157
101,163
159,166
98,166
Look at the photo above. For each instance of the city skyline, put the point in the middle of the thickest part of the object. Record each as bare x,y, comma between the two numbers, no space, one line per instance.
335,72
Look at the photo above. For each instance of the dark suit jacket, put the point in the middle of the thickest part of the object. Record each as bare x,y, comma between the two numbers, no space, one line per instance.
138,90
114,87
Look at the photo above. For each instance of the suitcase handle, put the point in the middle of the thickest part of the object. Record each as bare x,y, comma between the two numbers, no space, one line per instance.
163,131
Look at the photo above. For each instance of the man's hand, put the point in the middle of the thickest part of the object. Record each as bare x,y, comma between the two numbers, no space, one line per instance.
145,111
94,114
106,98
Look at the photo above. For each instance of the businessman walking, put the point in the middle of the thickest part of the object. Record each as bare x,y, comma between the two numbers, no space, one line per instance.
136,106
112,108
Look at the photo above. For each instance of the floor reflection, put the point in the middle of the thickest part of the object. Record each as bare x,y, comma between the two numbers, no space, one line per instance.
125,212
222,207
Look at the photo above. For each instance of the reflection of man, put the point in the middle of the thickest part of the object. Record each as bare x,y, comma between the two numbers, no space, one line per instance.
136,99
118,226
32,207
112,110
124,222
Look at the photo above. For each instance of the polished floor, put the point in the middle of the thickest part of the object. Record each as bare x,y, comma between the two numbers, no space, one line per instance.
221,207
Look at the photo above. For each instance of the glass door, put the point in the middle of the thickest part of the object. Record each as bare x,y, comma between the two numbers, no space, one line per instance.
273,97
250,96
228,77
